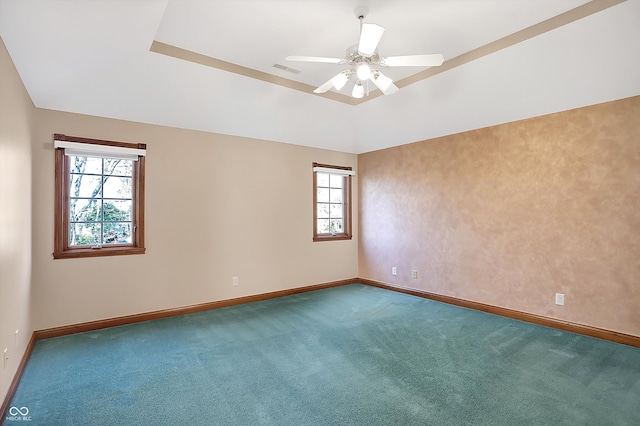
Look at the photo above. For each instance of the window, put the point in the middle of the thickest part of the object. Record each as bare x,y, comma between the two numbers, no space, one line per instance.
99,197
331,202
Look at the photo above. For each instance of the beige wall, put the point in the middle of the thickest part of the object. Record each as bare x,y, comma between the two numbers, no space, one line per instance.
216,207
511,214
507,215
16,112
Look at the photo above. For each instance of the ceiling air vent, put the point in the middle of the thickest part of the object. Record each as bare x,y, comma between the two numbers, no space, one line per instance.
286,68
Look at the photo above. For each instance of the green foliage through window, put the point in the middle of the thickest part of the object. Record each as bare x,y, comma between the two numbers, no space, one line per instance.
331,202
330,215
100,201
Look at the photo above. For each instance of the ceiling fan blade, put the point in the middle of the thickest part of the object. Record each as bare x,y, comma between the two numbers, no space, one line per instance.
433,60
338,81
370,36
314,59
384,83
324,88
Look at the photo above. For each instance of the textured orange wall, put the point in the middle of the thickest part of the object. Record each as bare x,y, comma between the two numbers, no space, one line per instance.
511,214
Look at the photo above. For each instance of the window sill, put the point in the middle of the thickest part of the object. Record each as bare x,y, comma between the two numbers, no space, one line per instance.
100,252
329,237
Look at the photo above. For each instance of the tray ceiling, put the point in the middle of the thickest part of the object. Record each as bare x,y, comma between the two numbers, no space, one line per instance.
209,65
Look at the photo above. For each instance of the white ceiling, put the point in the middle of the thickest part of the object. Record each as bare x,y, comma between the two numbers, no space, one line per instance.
93,57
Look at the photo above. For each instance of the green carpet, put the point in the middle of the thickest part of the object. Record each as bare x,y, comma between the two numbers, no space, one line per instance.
351,355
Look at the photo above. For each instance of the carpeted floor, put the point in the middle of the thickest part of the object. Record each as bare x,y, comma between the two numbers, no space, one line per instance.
351,355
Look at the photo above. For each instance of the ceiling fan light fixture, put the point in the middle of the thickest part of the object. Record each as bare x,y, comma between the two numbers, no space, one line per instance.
382,81
358,90
363,71
340,80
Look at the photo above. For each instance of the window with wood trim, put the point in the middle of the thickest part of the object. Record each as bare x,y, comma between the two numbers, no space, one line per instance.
331,202
99,197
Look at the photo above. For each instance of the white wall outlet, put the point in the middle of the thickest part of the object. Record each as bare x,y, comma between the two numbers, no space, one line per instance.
5,358
560,299
394,270
234,281
414,274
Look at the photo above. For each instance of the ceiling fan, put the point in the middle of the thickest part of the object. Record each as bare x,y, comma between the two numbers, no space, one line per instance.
364,62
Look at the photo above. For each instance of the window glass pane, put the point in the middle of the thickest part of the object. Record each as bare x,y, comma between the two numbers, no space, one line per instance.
336,181
118,167
117,233
117,187
100,197
117,210
323,211
331,205
85,186
322,179
335,195
84,234
323,195
85,165
83,210
336,211
323,226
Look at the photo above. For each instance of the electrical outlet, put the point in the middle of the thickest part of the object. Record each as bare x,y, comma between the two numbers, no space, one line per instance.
234,281
414,274
394,270
560,299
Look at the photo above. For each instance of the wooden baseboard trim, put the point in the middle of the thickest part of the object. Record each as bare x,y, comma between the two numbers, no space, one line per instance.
165,313
600,333
16,378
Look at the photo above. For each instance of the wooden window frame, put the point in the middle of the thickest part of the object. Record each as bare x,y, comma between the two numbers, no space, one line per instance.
62,250
347,225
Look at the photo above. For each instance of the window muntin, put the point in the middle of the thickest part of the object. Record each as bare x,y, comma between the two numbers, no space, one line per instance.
99,207
332,203
100,201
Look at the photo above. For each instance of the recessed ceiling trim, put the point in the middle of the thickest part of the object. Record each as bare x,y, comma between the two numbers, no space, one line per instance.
198,58
535,30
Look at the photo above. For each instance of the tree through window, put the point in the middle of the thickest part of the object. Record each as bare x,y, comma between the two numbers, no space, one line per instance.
99,197
100,201
331,202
